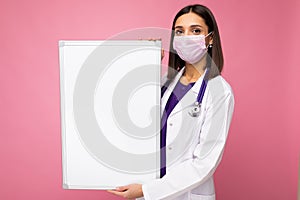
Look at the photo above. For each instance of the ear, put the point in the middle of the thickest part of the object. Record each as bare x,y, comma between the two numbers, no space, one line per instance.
211,38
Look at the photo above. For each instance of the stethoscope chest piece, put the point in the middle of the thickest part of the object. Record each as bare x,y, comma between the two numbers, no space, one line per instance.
195,112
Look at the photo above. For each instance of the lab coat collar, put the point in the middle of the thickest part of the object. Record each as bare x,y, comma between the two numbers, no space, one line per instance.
196,86
188,99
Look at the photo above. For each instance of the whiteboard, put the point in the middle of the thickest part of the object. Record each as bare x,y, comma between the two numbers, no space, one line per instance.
110,112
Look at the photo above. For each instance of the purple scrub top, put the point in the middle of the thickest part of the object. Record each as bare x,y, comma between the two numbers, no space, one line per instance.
179,91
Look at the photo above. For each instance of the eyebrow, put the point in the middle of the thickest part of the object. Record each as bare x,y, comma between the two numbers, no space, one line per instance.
196,25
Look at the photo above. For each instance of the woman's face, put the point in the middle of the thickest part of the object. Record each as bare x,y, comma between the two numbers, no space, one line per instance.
191,24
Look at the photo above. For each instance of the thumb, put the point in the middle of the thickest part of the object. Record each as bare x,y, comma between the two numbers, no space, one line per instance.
122,188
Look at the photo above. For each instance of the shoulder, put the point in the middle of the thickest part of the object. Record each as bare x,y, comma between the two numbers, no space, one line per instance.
219,89
164,78
219,82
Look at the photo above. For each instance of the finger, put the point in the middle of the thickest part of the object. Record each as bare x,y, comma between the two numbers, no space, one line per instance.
154,39
122,188
162,53
121,194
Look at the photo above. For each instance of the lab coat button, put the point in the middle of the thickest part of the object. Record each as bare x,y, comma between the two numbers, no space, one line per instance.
170,148
170,124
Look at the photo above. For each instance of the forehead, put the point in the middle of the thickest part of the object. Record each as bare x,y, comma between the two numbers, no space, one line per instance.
189,19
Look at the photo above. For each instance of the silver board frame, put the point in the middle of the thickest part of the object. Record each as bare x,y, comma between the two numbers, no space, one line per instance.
84,165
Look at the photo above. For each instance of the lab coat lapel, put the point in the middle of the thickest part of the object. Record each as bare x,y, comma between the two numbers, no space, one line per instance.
169,90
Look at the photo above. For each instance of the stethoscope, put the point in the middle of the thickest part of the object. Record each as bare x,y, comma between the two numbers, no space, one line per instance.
195,111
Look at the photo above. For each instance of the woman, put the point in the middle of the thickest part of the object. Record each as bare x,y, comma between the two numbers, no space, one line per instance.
192,136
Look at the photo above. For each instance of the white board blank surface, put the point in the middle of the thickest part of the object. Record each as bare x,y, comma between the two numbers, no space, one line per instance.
110,112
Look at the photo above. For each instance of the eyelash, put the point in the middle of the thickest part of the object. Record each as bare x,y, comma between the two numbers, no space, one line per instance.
195,31
177,32
199,31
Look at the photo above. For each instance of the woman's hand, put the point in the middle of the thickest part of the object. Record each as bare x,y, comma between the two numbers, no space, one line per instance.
162,53
129,192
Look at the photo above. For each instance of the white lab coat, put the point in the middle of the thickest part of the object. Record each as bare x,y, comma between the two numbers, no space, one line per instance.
194,145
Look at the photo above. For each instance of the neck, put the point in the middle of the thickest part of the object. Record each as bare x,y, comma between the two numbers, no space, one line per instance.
194,71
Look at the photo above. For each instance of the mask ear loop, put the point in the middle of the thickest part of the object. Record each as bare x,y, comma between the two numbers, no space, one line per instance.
209,46
209,33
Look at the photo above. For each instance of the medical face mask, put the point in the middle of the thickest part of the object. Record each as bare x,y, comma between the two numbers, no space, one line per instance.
190,48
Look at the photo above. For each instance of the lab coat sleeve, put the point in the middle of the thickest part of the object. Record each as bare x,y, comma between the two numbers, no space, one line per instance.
206,156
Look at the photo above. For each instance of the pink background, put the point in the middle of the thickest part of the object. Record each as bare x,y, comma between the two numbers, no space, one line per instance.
261,46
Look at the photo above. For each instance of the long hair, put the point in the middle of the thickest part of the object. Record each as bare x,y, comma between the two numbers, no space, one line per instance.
215,58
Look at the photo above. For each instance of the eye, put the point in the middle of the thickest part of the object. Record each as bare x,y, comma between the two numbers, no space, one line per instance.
196,31
178,32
